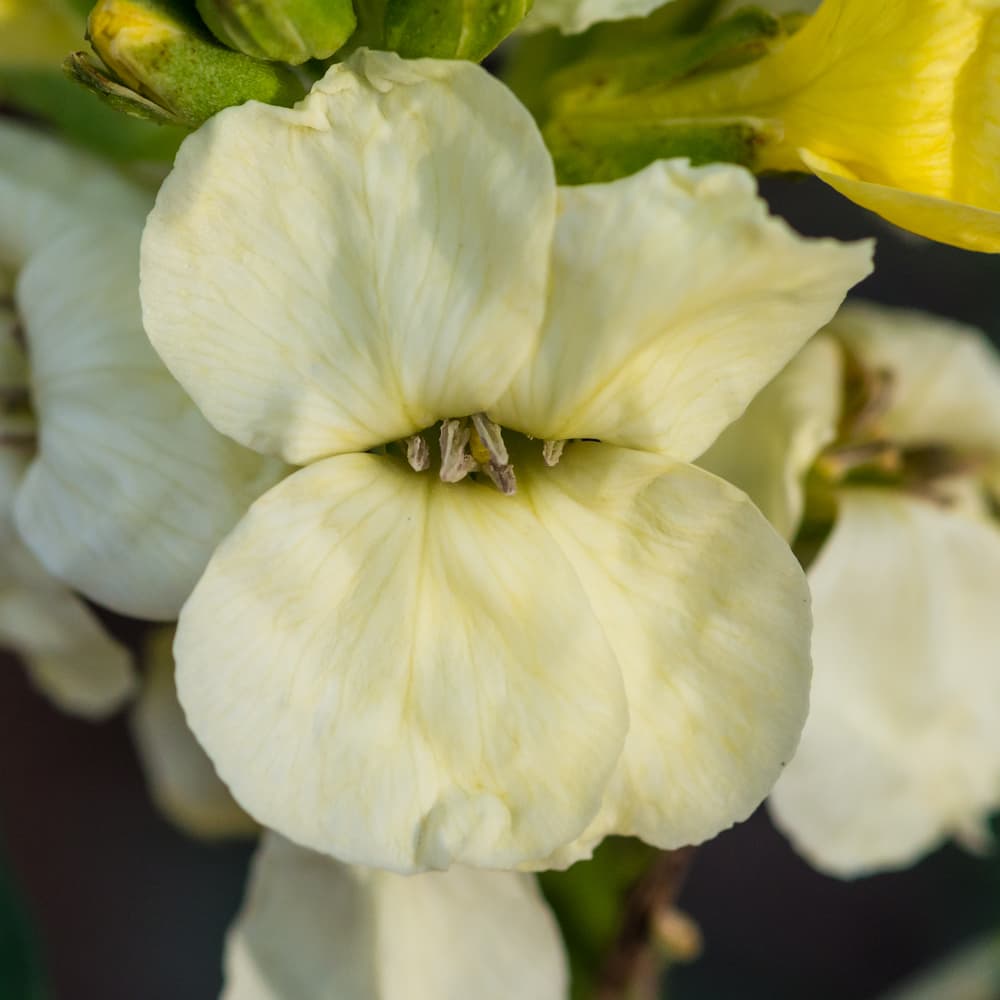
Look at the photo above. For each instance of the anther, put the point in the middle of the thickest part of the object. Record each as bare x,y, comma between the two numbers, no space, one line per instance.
417,453
456,462
552,452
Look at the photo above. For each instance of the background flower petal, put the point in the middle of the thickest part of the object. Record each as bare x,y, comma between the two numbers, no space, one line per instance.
314,929
131,488
574,16
675,298
400,672
340,275
708,614
902,745
768,451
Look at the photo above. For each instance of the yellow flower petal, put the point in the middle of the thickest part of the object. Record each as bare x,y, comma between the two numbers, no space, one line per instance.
330,278
131,488
769,450
708,614
181,778
401,672
38,33
902,745
936,218
675,298
312,928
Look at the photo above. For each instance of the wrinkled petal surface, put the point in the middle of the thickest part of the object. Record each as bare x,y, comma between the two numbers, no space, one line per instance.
945,376
902,745
341,275
675,298
400,672
708,613
131,488
314,929
769,450
181,778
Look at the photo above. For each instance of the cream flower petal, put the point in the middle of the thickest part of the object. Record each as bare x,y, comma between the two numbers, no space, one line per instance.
902,746
314,929
47,187
67,653
937,218
181,778
708,613
131,488
574,16
767,452
341,275
400,672
945,375
675,298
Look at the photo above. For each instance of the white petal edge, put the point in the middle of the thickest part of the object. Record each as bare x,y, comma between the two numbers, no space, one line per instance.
573,16
902,745
181,778
314,929
401,673
769,450
708,613
131,488
343,274
675,299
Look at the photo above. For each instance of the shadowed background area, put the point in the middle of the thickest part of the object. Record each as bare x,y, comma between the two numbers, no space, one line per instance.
123,906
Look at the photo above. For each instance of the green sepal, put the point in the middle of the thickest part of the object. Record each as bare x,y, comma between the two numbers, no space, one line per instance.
82,69
161,52
598,149
450,29
288,31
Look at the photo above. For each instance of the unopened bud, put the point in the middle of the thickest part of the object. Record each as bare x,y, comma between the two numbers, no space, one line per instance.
165,55
450,29
289,31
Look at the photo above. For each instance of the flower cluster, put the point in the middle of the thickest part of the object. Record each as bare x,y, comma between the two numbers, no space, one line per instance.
503,475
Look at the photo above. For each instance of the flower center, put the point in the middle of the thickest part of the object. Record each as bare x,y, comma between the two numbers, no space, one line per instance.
17,421
472,446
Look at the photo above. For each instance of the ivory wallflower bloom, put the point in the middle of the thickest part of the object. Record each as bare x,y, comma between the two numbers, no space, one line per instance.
479,661
181,778
314,929
902,745
127,488
574,16
894,104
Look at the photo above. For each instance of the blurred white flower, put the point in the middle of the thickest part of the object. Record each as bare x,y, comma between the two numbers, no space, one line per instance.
314,929
880,446
574,16
410,668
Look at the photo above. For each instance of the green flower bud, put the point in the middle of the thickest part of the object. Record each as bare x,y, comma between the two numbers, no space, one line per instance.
450,29
162,53
289,31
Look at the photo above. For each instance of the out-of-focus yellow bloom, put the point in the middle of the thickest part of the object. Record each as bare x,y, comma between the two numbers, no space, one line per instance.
38,33
895,104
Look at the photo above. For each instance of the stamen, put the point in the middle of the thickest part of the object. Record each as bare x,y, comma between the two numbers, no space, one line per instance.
456,462
491,437
503,478
489,449
552,451
417,453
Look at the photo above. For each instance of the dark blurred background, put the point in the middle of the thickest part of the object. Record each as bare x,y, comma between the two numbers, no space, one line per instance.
122,907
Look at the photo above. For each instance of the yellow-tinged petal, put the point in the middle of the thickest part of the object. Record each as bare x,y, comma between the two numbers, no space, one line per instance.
935,217
401,672
675,298
38,34
574,16
945,376
47,187
769,450
340,275
181,778
131,489
902,745
65,649
314,929
708,614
